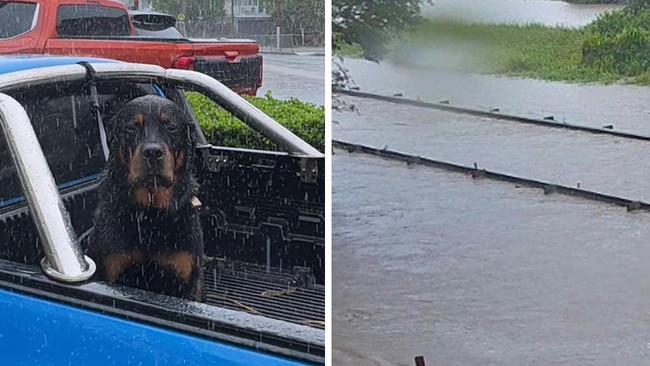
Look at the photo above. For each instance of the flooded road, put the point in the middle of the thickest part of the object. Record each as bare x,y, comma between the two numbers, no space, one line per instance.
473,272
288,76
551,13
624,106
601,163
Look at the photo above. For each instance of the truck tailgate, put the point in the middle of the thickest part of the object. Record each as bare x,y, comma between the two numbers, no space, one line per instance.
148,52
153,51
240,71
202,48
237,65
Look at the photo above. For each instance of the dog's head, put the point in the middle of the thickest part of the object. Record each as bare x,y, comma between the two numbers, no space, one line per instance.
154,141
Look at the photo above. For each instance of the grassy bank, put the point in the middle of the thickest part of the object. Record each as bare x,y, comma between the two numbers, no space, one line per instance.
529,51
616,47
306,120
532,50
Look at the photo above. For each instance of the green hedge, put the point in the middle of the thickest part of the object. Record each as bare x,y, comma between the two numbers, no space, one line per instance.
306,120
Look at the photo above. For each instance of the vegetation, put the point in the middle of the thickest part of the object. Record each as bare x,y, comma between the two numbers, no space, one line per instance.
518,50
295,16
306,120
372,24
614,47
212,10
618,41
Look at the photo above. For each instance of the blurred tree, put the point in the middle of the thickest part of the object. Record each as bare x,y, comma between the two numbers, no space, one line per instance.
209,10
373,23
295,16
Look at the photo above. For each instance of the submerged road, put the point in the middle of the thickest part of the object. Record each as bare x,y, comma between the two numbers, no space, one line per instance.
476,272
624,106
481,273
601,163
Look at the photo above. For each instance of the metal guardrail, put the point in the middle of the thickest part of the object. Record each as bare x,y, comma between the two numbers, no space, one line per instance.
494,114
64,259
475,172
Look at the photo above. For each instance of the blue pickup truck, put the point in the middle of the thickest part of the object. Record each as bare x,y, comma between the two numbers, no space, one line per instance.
262,215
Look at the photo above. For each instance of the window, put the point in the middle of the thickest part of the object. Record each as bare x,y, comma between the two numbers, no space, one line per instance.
16,18
159,26
91,20
67,130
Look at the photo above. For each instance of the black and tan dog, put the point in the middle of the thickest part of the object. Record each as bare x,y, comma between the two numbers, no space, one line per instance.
147,228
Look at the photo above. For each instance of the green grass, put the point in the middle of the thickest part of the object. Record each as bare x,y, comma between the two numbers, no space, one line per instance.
306,120
533,51
349,50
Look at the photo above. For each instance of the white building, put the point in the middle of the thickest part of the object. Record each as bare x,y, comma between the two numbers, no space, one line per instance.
142,4
248,8
250,16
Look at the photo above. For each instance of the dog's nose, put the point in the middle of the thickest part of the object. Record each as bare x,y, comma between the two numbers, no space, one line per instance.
152,151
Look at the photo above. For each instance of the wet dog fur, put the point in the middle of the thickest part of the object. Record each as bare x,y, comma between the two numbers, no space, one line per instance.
147,232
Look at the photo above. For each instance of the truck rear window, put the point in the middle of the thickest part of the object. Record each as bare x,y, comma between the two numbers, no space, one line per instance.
67,130
91,21
16,18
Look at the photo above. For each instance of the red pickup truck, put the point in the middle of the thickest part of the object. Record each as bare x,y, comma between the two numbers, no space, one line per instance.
103,28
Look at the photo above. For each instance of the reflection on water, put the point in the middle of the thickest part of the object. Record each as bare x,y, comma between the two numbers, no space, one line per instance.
552,13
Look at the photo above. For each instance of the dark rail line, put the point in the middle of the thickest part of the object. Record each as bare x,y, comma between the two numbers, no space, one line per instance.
475,172
493,114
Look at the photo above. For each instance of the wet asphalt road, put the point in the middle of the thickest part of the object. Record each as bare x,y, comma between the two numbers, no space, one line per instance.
288,76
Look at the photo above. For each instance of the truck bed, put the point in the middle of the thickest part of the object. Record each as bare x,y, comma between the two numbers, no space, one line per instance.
272,292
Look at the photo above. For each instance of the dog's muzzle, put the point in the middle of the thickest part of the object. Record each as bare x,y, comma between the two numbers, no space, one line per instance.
153,166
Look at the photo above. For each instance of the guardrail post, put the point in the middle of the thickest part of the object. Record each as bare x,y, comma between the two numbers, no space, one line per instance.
419,361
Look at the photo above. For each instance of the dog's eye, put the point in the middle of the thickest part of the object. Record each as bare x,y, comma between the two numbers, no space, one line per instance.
132,128
172,128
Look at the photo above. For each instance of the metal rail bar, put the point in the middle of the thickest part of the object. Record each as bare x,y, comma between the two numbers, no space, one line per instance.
475,172
64,259
493,115
215,90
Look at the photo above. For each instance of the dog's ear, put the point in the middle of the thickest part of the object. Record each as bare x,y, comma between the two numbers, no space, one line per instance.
111,125
190,128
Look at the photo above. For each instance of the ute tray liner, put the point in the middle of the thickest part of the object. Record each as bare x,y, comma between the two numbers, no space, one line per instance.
276,293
